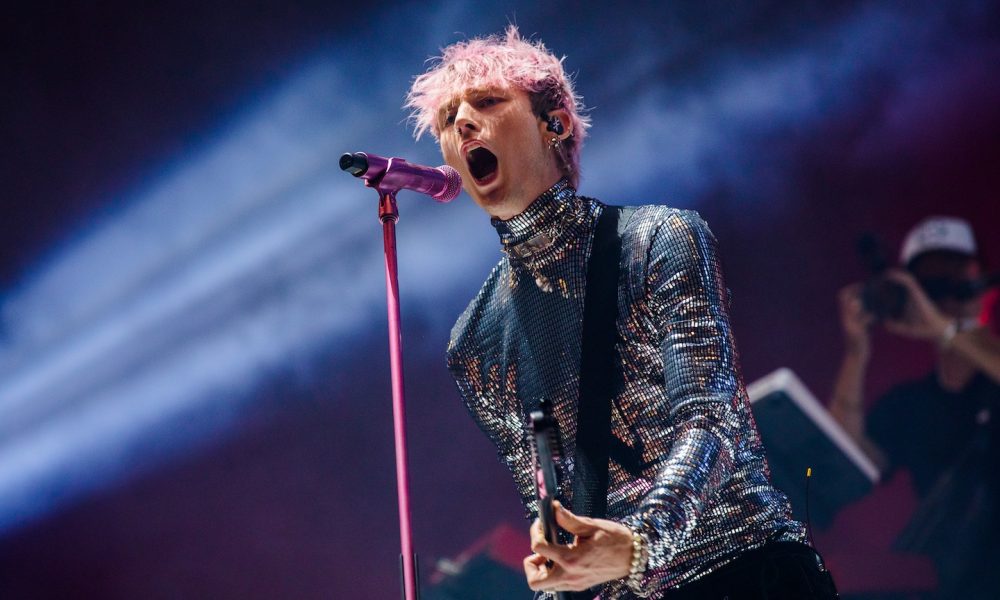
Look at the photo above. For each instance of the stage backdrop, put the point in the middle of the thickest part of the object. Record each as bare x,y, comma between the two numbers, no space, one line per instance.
194,398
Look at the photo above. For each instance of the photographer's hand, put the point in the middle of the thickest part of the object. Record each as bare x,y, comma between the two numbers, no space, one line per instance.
847,401
855,322
923,320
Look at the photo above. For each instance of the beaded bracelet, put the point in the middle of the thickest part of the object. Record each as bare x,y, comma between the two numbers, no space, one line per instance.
640,556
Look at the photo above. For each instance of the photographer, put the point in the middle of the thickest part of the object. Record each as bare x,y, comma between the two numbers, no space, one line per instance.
940,427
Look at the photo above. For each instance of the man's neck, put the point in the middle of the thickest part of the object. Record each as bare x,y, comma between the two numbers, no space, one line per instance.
550,213
519,201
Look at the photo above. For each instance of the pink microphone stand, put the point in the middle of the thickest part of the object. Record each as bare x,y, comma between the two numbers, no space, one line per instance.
388,176
388,213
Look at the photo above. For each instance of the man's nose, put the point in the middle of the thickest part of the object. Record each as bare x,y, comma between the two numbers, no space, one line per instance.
466,119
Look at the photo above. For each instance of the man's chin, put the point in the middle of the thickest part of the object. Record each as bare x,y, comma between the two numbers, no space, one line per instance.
486,191
496,205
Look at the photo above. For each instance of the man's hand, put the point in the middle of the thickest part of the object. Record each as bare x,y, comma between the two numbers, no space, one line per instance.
921,318
601,551
855,321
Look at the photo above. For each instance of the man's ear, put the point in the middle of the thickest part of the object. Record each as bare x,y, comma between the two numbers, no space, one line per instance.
558,122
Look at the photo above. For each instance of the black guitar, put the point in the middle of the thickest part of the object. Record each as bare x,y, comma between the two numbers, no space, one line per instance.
547,452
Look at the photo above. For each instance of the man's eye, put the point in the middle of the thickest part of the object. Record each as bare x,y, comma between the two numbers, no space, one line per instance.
449,119
489,101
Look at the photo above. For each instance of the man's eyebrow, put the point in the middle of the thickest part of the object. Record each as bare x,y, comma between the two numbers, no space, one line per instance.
450,104
472,93
484,92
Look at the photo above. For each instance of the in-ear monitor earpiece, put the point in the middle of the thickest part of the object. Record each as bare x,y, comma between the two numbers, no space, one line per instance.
554,125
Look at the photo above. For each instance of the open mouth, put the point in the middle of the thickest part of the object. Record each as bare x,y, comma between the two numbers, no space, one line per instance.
482,164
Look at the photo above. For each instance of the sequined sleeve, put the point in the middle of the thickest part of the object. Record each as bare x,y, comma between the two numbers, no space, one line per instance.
697,425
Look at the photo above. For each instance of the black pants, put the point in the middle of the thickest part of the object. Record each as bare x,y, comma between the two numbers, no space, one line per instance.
776,571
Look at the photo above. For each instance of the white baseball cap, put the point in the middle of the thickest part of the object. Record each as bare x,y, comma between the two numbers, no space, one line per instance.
938,233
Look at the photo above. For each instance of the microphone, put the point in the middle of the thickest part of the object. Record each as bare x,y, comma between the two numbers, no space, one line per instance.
441,183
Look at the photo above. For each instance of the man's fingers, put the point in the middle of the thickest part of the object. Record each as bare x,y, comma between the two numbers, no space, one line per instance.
905,279
901,276
534,569
554,552
852,310
539,545
850,292
581,526
537,537
541,574
536,531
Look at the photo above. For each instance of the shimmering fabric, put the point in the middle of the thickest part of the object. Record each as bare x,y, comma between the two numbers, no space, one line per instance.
687,467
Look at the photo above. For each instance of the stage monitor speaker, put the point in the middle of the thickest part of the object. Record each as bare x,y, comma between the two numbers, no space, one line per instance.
799,434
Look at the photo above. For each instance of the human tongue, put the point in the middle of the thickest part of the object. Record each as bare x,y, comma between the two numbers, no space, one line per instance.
482,163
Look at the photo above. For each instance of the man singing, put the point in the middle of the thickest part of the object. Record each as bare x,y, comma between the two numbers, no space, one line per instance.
691,512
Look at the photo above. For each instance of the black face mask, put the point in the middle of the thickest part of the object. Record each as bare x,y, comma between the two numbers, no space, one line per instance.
962,290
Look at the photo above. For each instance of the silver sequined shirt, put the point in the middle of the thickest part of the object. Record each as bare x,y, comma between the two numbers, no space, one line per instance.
686,467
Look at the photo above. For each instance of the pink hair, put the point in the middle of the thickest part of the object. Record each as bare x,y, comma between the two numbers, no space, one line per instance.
500,62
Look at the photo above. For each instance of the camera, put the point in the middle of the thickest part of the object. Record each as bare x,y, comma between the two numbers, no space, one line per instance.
880,296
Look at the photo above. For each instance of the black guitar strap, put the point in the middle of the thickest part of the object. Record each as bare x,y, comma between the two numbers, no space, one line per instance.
598,365
598,372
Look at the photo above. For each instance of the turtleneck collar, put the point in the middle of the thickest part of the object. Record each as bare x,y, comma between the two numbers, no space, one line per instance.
551,230
544,213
